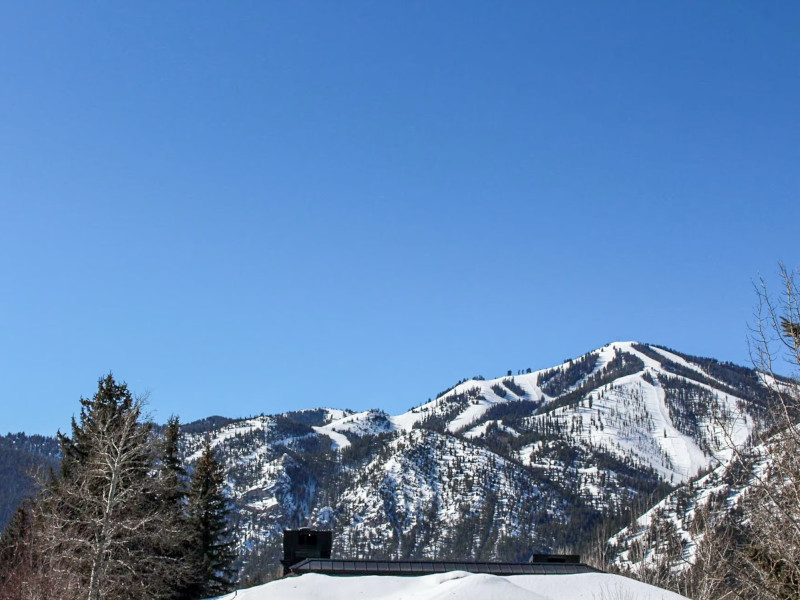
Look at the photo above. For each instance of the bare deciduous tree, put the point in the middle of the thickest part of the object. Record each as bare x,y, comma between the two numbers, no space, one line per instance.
754,551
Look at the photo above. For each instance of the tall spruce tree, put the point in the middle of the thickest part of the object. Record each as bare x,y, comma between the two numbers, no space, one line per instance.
102,522
209,520
16,555
99,505
172,472
172,496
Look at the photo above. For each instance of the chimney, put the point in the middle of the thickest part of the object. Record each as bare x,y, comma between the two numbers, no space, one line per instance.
299,544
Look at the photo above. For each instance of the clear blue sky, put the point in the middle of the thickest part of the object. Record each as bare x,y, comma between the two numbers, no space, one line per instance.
257,207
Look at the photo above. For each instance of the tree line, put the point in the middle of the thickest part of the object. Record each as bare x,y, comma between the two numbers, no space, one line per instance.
120,517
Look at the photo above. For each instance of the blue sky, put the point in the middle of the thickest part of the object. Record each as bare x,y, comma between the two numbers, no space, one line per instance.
257,207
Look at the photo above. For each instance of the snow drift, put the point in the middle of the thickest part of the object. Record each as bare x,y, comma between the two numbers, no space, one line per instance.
458,584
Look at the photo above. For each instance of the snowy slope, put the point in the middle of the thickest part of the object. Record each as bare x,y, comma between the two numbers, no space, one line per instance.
670,531
458,584
369,422
473,398
391,504
631,418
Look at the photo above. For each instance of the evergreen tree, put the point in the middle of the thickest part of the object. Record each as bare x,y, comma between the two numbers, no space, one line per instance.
172,472
105,411
172,497
16,551
209,520
102,523
97,509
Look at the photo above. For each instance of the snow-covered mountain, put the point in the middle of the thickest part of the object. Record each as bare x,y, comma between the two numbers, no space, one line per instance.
491,468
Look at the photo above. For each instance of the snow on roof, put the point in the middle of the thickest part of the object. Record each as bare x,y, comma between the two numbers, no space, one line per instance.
456,584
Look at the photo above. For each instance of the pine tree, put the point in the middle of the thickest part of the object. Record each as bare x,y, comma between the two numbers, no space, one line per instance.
16,555
106,408
172,497
97,503
209,520
172,472
102,521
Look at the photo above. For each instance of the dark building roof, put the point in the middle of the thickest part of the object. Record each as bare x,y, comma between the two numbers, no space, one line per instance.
555,565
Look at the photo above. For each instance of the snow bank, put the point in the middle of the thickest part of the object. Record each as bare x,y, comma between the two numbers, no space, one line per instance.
458,584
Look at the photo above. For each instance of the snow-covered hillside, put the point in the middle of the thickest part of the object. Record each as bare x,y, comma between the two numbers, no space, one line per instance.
669,532
458,584
494,468
630,416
